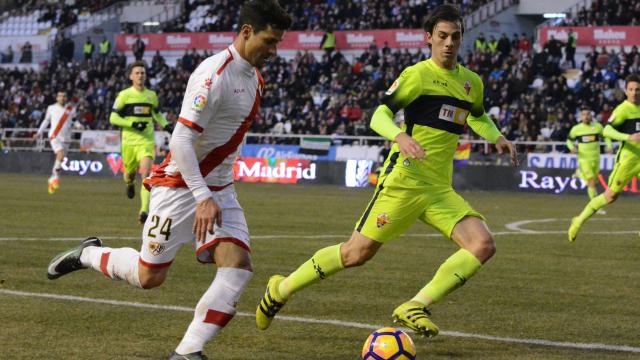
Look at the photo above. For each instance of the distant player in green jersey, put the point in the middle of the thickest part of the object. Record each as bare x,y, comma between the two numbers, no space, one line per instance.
587,133
624,125
439,97
134,111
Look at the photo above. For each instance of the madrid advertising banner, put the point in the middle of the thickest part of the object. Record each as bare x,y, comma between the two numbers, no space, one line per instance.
593,35
293,40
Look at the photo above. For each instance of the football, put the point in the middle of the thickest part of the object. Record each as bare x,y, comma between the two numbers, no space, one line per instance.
387,344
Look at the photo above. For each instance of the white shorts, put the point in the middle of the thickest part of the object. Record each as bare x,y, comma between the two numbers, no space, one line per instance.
58,144
170,226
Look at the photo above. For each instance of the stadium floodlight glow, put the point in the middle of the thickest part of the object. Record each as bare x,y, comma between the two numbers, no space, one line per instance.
151,23
554,15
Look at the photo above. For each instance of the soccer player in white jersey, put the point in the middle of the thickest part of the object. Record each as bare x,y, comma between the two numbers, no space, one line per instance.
59,115
192,195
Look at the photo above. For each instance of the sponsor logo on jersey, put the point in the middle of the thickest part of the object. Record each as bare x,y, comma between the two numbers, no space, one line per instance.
238,91
382,220
199,102
588,138
156,248
393,87
142,110
453,114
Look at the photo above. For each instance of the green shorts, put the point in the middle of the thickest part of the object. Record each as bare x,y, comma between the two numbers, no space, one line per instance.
626,167
400,200
589,168
132,154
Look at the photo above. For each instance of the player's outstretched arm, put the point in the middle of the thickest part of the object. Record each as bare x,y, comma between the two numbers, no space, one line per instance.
382,123
503,145
611,132
486,128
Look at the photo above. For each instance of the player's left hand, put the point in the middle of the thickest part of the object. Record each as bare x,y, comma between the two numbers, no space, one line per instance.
207,213
503,145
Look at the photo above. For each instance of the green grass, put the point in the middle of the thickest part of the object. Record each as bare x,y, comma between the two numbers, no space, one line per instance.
538,286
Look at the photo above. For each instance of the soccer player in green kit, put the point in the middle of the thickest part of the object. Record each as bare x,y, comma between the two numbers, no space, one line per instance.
134,111
438,97
587,133
624,125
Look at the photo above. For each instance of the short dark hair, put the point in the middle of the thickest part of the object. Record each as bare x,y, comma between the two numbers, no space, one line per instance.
632,78
446,12
261,14
137,63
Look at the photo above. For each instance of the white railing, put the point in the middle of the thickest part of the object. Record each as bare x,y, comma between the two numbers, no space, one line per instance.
21,139
486,12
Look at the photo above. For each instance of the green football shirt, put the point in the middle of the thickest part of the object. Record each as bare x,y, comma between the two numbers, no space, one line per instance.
588,138
437,103
625,119
131,106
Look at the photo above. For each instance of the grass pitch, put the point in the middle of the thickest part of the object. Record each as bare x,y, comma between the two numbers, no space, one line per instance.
540,297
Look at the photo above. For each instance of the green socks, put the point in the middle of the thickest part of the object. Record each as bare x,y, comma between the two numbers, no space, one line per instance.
144,199
322,264
592,193
452,274
594,205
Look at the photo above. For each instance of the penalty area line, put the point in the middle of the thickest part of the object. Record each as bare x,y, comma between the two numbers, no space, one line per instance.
538,342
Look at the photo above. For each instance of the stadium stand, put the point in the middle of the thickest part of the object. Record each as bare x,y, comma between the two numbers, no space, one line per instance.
318,15
607,12
525,90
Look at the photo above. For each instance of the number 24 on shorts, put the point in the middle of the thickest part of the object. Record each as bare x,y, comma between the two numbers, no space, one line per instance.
165,229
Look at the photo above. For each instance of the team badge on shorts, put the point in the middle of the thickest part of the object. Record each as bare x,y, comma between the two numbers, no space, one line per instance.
156,248
199,102
382,220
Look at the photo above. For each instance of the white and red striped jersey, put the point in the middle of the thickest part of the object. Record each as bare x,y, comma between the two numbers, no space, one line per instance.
60,119
221,100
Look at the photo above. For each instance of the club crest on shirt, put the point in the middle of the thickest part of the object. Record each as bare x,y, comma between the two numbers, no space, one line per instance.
207,83
382,220
393,87
156,248
467,87
199,102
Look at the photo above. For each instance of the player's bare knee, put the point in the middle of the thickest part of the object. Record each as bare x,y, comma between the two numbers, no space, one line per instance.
483,247
150,280
355,256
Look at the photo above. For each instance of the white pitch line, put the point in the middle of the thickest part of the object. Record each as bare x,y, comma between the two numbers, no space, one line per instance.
329,236
516,226
540,342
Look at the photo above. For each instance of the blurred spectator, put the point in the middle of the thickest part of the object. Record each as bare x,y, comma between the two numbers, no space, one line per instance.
27,53
105,47
138,48
7,57
87,49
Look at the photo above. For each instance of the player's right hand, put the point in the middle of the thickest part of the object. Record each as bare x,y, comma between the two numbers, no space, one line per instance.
409,147
208,213
139,125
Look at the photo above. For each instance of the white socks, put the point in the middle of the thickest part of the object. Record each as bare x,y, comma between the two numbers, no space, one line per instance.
215,308
57,165
117,264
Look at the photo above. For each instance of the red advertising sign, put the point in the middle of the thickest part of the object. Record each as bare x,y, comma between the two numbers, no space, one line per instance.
287,171
293,40
593,35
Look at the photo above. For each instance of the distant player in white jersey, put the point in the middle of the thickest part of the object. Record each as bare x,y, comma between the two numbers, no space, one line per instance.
192,195
59,115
